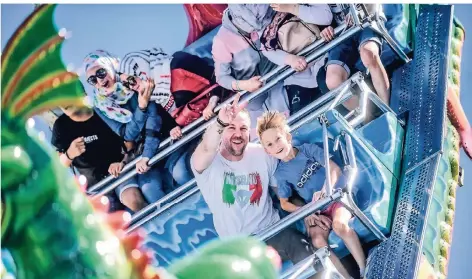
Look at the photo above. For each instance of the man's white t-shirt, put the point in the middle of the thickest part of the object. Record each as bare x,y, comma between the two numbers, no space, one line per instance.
237,193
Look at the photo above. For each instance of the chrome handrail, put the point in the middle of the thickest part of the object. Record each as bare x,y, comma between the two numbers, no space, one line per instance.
380,29
282,76
303,268
329,184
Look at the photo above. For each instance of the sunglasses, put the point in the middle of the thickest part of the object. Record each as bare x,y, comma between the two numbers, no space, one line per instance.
130,81
100,73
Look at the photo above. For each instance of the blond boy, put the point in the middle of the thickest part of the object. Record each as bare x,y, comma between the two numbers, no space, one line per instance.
301,169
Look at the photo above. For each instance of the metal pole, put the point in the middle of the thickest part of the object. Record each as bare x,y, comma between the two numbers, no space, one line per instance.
320,256
305,265
306,210
380,29
350,205
155,205
362,109
348,201
352,161
294,269
285,74
375,98
354,14
344,89
192,182
313,116
164,208
329,185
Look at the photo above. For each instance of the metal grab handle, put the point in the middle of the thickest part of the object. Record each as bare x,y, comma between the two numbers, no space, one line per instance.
285,74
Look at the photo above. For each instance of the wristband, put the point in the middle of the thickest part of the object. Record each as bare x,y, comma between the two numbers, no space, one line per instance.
67,155
142,109
221,123
237,85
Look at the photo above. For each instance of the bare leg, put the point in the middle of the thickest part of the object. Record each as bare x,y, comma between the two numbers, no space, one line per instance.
370,56
335,76
319,238
133,199
341,227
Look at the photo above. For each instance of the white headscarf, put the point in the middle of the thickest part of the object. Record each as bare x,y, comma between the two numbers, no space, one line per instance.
109,103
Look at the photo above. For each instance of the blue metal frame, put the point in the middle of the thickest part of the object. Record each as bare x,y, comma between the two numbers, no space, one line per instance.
420,91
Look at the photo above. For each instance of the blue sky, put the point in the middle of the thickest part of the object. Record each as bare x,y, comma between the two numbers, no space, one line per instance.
123,28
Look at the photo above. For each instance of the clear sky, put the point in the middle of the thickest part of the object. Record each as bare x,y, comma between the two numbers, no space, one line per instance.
123,28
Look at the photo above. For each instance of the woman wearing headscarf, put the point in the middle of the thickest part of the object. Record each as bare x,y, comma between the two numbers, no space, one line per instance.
130,116
239,64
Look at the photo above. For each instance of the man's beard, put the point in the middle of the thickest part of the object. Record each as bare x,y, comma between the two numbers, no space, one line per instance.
232,151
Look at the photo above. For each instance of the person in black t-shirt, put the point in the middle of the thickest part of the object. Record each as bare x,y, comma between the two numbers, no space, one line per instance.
87,143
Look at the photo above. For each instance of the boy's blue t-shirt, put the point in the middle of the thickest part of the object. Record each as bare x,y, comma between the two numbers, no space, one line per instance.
305,173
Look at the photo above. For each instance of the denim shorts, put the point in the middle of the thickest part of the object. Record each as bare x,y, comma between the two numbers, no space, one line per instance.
151,184
347,53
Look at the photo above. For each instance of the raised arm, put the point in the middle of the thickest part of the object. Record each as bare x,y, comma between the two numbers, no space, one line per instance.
208,147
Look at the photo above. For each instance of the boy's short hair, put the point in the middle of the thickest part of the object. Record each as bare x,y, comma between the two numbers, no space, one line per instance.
270,120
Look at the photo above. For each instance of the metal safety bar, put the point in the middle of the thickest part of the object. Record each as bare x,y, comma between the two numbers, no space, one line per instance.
309,266
283,75
377,101
380,29
329,185
137,220
362,109
353,12
347,199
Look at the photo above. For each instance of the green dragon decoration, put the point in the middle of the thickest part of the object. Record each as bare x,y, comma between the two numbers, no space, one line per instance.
49,226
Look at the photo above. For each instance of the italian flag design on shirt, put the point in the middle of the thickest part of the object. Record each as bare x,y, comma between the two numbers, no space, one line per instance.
243,189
